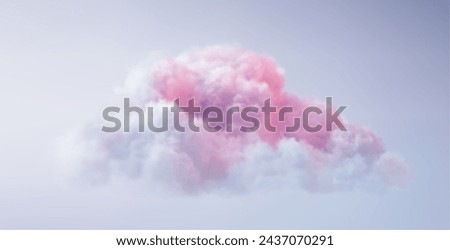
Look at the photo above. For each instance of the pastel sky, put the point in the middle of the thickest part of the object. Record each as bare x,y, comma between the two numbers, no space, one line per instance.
62,62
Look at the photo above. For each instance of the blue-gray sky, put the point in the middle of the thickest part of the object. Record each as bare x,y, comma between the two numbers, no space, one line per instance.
387,60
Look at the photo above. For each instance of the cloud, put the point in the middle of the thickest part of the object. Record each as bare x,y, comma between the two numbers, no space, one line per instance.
225,76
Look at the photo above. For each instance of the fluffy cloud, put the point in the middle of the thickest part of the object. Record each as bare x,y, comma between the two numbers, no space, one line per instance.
200,162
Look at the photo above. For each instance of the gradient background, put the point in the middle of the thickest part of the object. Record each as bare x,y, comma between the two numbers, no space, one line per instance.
387,60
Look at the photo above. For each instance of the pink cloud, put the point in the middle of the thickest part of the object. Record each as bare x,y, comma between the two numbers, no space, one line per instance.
231,76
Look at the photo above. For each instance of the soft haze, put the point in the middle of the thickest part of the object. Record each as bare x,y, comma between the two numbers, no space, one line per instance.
60,62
